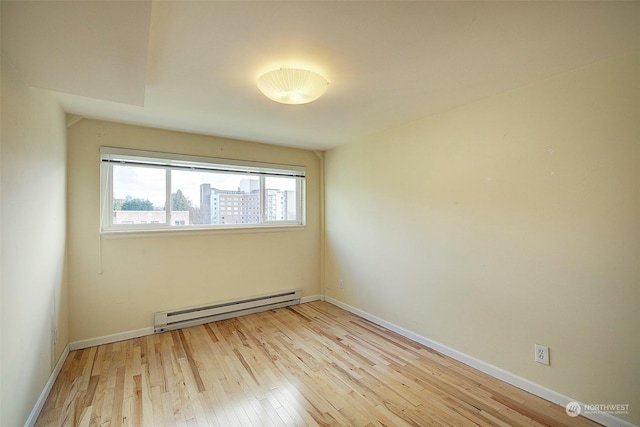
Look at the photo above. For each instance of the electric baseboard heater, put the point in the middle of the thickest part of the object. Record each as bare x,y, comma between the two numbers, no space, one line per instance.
182,318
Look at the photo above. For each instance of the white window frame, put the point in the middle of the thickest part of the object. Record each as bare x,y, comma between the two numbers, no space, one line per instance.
110,156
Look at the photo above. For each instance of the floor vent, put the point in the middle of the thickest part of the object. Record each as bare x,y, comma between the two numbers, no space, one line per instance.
176,319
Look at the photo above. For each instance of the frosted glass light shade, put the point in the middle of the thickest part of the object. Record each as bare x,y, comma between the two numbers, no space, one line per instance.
292,85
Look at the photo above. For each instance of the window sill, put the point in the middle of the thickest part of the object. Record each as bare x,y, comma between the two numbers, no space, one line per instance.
126,234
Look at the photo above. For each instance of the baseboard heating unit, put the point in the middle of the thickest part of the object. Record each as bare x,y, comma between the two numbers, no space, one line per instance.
182,318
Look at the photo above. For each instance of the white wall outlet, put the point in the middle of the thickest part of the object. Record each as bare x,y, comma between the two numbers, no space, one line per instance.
542,354
340,284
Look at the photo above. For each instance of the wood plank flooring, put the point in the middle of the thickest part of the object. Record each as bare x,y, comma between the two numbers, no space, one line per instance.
306,365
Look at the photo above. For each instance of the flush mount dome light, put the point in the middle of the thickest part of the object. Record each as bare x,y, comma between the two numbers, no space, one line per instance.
292,85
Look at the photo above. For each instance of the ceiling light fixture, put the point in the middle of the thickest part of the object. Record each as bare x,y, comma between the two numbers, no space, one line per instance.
292,85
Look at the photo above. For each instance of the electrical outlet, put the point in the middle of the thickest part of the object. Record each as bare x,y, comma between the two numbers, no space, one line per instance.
542,354
340,284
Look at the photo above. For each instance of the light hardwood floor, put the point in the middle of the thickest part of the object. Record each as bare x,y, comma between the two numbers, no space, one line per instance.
311,364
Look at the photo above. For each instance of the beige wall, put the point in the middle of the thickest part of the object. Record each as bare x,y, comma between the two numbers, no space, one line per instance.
34,293
504,223
142,275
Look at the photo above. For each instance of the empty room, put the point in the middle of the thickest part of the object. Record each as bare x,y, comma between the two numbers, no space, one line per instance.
333,213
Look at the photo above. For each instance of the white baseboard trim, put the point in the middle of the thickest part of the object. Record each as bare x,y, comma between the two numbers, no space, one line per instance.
108,339
35,412
311,298
521,383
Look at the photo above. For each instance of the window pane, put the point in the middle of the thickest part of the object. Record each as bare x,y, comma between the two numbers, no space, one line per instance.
214,198
281,199
138,195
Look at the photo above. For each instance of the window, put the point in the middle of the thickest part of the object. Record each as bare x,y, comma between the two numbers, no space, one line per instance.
138,186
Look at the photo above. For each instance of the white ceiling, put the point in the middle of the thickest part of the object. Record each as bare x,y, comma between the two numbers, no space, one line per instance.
192,66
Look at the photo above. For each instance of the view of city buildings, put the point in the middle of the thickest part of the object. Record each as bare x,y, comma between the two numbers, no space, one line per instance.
216,207
243,206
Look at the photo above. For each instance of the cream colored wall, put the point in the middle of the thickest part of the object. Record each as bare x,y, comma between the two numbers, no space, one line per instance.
34,298
142,275
504,223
